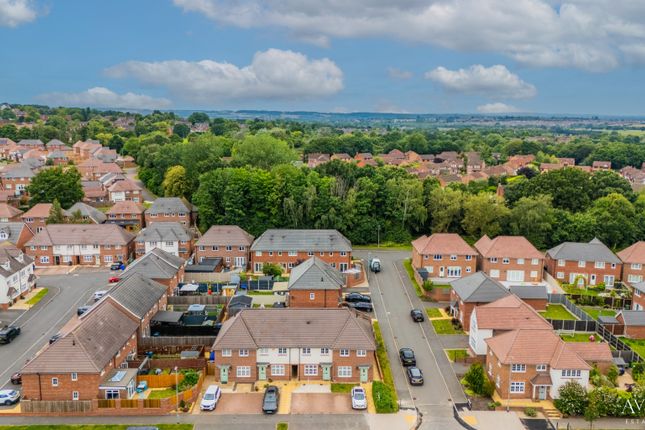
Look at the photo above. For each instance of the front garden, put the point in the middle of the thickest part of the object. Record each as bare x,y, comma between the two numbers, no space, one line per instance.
447,326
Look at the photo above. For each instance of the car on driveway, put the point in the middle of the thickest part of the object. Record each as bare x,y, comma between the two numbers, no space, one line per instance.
210,398
417,315
9,333
407,357
16,378
359,399
415,376
361,306
82,309
9,397
117,266
271,400
357,297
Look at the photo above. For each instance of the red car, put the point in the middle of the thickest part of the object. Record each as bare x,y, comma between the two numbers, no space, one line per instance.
113,279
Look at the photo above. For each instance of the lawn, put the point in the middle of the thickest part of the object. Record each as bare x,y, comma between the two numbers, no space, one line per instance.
579,337
259,293
38,297
95,427
386,245
161,394
572,289
445,327
456,354
408,268
434,313
342,388
557,312
595,312
638,345
282,426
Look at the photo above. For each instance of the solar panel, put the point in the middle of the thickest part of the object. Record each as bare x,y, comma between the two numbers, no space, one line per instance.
118,376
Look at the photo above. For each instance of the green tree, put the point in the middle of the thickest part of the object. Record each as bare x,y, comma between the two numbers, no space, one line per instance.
614,218
174,182
271,269
592,413
445,209
56,215
197,117
572,399
484,214
533,218
56,183
262,151
181,130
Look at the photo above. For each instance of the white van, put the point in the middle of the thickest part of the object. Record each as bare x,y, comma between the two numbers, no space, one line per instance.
210,399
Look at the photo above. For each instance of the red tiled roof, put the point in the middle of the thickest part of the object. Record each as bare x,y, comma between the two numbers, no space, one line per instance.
126,207
509,313
443,243
633,254
8,211
507,246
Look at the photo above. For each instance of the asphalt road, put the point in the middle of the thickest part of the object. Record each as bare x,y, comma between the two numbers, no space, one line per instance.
394,297
131,173
66,293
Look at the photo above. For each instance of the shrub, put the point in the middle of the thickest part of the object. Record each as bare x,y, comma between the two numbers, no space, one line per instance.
475,379
530,412
384,398
612,374
573,399
428,285
190,379
638,369
271,269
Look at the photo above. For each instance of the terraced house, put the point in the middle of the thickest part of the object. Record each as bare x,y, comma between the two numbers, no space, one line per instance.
584,263
304,344
288,248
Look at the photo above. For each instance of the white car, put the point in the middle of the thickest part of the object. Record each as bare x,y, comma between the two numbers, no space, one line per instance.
99,294
359,399
9,397
211,397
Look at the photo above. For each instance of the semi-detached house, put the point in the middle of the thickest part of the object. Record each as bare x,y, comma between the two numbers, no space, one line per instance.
16,274
444,255
306,344
229,242
511,259
633,259
584,263
172,237
315,284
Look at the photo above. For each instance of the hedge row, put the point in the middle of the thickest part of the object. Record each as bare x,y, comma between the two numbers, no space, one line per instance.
384,393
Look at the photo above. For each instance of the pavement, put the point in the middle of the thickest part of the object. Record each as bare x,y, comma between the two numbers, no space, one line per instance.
393,297
42,321
131,173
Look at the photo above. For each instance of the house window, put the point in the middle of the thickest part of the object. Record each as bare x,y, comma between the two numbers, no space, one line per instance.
216,248
541,367
227,353
258,253
634,278
437,257
277,370
599,264
324,351
241,248
361,353
469,257
637,266
169,243
54,382
311,370
520,261
270,253
344,352
343,253
33,248
282,351
493,259
535,261
244,352
534,274
518,368
306,351
506,260
561,262
571,373
343,267
498,381
74,395
107,258
293,253
344,371
310,253
202,248
331,254
613,265
263,351
88,258
44,248
609,280
582,263
490,368
229,248
560,275
453,258
279,253
312,296
74,376
111,394
637,293
243,371
322,253
517,387
494,273
44,259
468,269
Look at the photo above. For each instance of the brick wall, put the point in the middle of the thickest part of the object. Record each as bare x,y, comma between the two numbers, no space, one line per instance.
527,267
335,259
354,361
537,304
87,386
151,219
493,370
321,299
570,267
633,275
228,257
427,261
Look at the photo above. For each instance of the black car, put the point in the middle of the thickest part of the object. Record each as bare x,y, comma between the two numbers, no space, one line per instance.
417,315
116,266
54,338
271,400
9,333
407,357
361,306
16,378
415,376
357,297
82,309
279,305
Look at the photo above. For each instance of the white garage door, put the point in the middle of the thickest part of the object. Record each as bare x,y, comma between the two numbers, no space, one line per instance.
515,275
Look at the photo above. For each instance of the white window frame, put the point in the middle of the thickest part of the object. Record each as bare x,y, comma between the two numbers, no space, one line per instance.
306,351
506,260
74,376
282,351
54,382
227,353
599,265
540,368
517,386
44,259
75,395
560,275
263,351
561,262
520,261
343,352
582,263
344,371
311,370
312,296
492,260
361,353
243,371
243,352
518,368
535,261
278,370
469,257
453,258
324,351
437,257
637,266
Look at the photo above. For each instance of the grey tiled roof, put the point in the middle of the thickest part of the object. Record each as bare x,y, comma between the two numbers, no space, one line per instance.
168,205
301,240
164,231
31,142
296,328
640,286
17,171
138,294
156,264
633,318
12,230
528,292
81,234
479,288
576,251
315,274
86,210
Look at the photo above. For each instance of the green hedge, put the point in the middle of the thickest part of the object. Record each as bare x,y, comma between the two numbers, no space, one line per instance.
383,393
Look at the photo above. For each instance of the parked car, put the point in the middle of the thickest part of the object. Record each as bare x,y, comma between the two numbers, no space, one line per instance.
142,386
359,399
16,378
9,397
375,265
114,279
415,376
210,398
271,400
417,315
99,294
82,309
362,306
407,357
9,333
279,305
357,297
117,266
54,338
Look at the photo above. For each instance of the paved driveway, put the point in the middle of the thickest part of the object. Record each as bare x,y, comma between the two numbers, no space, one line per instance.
321,403
393,297
239,403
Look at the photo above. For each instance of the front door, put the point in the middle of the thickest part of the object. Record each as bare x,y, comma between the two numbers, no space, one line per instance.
363,374
542,392
326,373
441,272
592,279
223,374
240,261
262,372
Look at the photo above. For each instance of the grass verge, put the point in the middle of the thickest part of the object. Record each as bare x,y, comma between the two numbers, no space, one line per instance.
341,388
38,297
456,354
383,392
259,293
445,327
282,426
557,312
95,427
408,268
386,246
434,313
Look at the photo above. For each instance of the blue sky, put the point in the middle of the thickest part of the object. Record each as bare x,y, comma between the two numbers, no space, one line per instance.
438,56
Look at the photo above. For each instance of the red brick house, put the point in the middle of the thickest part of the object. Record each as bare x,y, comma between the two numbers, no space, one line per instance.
16,178
315,284
9,213
471,291
92,169
634,323
444,255
83,244
229,242
288,248
85,149
600,165
160,266
125,190
127,214
172,237
510,259
583,263
170,209
36,217
16,233
295,344
633,259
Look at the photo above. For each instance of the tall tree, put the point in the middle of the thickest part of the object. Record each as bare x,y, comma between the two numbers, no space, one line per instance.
533,218
174,182
56,215
262,151
444,208
56,183
484,214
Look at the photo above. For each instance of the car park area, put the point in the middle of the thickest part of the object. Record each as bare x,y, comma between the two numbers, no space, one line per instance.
321,403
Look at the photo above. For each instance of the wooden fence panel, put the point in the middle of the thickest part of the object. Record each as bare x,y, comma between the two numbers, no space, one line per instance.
56,407
160,381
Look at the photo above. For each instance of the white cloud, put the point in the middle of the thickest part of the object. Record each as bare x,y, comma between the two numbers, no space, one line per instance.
273,74
105,98
585,34
395,73
16,12
494,81
497,108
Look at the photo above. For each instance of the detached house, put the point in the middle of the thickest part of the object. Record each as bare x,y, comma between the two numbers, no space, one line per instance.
474,290
633,259
170,209
36,217
16,178
171,237
444,255
315,284
16,274
124,190
510,259
160,266
288,248
228,242
583,263
305,344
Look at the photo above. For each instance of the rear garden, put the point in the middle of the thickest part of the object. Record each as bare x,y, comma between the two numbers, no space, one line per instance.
557,312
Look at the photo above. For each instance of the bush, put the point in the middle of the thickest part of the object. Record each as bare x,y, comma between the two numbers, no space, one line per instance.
530,412
638,369
190,379
475,379
573,399
612,374
271,269
384,398
428,285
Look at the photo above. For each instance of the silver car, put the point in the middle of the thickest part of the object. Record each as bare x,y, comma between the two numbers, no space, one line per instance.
9,397
359,399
